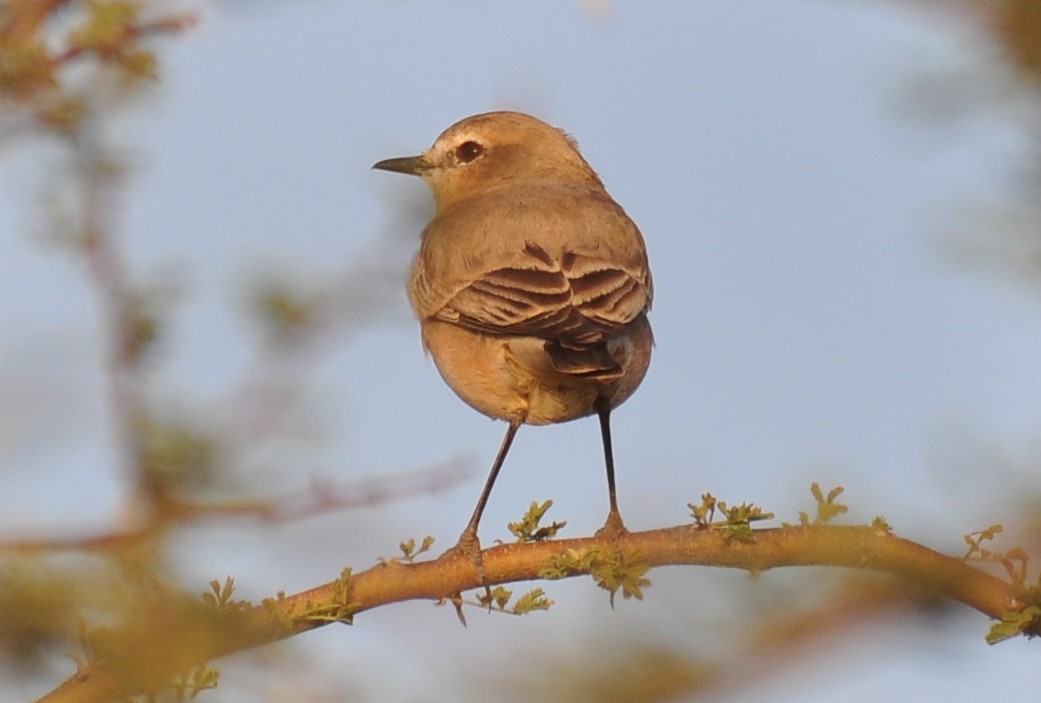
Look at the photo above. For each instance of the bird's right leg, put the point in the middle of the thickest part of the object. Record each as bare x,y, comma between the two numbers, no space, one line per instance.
614,527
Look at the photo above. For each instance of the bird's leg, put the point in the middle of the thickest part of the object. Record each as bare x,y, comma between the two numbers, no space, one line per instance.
613,527
468,543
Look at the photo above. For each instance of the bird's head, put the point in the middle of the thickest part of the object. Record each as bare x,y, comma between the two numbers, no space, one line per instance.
492,150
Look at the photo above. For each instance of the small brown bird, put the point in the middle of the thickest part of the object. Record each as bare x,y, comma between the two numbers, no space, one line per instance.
531,284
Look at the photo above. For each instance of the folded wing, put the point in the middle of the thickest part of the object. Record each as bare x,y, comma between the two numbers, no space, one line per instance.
574,303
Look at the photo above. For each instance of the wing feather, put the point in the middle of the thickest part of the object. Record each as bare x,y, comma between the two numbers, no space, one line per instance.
576,300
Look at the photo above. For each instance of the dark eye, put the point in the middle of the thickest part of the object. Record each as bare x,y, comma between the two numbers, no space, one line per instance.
468,151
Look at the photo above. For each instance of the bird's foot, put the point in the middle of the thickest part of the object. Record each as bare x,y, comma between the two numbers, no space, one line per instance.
613,528
469,546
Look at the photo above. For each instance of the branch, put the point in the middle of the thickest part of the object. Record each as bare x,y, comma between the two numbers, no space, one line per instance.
323,497
23,18
238,626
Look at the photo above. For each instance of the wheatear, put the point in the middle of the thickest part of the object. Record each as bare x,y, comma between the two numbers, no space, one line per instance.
531,284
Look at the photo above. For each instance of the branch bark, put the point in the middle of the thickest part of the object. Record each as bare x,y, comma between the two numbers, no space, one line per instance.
444,578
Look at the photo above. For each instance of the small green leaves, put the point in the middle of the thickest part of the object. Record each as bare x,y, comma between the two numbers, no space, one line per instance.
704,512
1026,621
499,597
975,542
190,684
569,563
827,508
342,609
624,572
737,520
1015,561
528,529
338,609
881,527
618,570
282,618
409,551
219,596
531,601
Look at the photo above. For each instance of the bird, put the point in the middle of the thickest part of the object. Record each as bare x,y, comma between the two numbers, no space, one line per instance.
531,284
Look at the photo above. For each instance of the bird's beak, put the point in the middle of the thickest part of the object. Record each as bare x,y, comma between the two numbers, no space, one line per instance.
412,165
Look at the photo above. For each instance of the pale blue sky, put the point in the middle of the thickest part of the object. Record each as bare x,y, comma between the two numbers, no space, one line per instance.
808,326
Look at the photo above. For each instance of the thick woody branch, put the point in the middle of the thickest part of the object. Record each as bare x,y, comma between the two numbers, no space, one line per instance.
389,582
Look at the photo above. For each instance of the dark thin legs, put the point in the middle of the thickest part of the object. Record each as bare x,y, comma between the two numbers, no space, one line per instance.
613,527
468,540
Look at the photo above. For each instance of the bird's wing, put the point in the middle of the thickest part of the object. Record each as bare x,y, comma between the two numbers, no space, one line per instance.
575,300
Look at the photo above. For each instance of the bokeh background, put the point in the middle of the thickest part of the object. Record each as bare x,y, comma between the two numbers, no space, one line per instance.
834,197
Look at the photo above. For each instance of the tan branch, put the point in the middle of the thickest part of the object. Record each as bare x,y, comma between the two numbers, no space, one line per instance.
323,497
389,582
132,34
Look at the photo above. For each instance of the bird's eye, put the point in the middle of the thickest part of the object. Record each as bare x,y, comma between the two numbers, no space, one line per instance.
468,152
